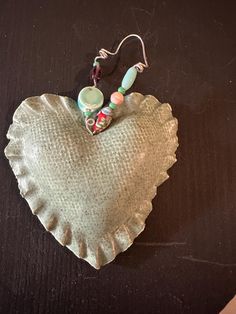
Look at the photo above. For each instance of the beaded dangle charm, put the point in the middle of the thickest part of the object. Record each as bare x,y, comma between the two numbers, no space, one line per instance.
90,98
93,193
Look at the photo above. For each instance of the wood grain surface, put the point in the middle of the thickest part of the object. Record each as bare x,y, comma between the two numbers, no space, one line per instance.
185,260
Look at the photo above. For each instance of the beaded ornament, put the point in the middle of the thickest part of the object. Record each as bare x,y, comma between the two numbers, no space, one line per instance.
93,193
91,99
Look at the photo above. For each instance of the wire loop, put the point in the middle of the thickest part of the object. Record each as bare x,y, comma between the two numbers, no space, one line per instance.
104,53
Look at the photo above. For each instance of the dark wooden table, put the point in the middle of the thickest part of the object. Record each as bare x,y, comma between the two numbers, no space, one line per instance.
185,260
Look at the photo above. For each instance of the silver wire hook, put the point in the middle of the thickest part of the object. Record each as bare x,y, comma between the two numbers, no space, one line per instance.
103,53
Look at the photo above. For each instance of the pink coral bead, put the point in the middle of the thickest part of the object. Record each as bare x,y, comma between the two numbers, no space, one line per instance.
117,98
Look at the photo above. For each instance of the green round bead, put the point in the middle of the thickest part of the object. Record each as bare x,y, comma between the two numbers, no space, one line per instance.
121,90
96,63
112,106
87,113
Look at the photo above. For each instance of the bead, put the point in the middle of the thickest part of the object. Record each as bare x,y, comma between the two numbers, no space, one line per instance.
87,113
103,120
96,63
95,73
117,98
121,90
112,106
90,99
129,78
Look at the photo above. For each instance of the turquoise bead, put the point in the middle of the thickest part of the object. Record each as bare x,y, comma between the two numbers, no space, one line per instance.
90,99
121,90
129,78
112,105
87,113
96,63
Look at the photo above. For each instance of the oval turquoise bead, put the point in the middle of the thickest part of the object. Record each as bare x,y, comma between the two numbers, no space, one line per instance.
129,78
